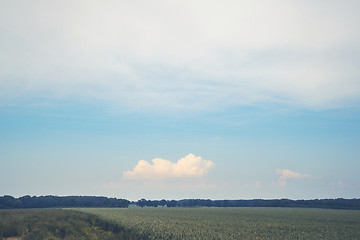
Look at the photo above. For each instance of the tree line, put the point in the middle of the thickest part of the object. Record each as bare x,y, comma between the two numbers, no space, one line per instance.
7,202
338,203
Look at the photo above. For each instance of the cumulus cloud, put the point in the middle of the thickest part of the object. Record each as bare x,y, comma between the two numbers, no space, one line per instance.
286,174
187,167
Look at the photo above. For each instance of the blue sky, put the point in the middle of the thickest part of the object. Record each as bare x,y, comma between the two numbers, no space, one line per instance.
190,99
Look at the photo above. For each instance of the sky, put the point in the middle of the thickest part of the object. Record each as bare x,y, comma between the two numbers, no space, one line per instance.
180,99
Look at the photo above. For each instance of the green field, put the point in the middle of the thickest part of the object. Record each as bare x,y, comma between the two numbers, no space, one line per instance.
179,223
53,224
236,223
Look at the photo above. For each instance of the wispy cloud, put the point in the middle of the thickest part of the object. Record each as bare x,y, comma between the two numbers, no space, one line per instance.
187,167
339,184
286,175
169,54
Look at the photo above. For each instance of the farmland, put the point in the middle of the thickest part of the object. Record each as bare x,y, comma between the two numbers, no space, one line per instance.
235,223
46,224
180,223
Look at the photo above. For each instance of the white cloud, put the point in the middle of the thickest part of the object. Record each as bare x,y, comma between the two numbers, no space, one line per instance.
188,166
286,174
167,54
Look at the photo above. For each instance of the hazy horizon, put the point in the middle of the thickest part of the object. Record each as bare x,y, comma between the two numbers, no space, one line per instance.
180,99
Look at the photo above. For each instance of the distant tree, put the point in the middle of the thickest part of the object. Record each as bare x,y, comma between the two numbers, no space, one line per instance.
142,202
171,203
162,202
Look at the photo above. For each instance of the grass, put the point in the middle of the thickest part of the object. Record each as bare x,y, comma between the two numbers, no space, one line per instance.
58,224
235,223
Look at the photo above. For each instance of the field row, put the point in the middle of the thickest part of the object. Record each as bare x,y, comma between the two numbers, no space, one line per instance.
236,223
54,224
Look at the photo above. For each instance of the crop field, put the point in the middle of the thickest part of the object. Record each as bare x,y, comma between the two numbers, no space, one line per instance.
54,224
235,223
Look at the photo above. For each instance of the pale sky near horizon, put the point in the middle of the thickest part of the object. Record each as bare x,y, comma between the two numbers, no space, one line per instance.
180,99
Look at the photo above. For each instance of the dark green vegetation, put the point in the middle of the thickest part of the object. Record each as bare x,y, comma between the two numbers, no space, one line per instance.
236,223
58,224
8,202
339,203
